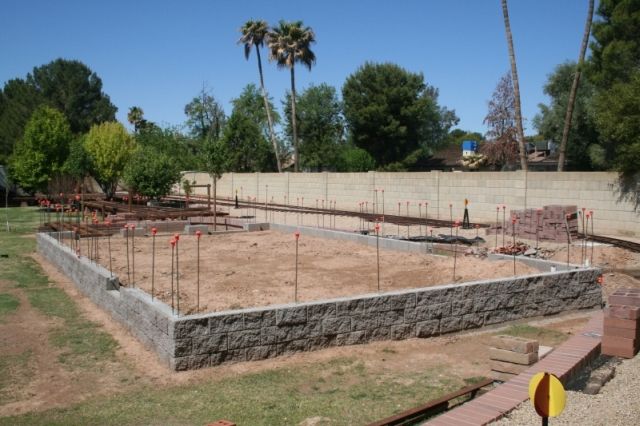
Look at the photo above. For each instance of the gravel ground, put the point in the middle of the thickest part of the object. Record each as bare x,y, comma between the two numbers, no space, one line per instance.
618,403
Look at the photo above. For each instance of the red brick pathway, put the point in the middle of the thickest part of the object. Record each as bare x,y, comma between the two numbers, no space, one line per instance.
564,362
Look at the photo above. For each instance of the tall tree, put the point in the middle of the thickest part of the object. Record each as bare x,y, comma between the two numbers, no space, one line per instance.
250,104
248,149
290,43
18,100
71,87
135,117
254,34
320,127
151,173
205,116
110,148
215,161
516,87
393,115
583,150
66,85
614,70
39,156
574,89
501,148
78,163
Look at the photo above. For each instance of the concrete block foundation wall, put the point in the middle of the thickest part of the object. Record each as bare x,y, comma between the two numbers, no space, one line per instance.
518,190
198,341
146,319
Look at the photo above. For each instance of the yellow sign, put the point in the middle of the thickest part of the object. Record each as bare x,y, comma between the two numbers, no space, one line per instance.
547,395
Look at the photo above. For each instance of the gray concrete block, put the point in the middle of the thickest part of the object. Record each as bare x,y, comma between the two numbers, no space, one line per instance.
449,324
192,229
403,331
364,322
336,325
261,352
390,303
269,336
495,317
298,331
380,333
259,319
439,294
244,339
291,316
252,227
321,342
391,318
355,338
138,232
321,311
427,328
293,346
350,307
474,320
182,329
461,307
425,312
223,323
210,343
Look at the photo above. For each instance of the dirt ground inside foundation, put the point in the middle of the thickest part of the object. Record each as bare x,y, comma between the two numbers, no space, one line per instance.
250,269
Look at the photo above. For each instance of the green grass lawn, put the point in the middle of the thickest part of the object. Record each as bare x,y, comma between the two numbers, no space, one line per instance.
342,390
544,336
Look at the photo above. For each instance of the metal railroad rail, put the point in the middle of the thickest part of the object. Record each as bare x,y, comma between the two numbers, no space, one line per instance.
369,217
625,244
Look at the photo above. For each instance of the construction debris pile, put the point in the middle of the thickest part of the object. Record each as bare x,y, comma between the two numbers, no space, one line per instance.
522,249
549,223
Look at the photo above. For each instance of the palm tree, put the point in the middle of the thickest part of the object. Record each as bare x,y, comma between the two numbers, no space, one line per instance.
574,89
254,33
289,43
516,87
135,117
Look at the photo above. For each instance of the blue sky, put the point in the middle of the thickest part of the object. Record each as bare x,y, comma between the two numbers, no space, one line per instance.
158,54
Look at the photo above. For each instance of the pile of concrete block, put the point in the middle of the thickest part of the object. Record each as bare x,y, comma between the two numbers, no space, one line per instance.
621,334
510,356
549,223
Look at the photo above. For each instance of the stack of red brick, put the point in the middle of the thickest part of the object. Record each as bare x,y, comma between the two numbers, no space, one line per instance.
621,335
549,223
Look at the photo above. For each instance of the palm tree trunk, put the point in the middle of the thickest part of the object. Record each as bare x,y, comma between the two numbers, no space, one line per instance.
294,127
574,89
516,87
266,107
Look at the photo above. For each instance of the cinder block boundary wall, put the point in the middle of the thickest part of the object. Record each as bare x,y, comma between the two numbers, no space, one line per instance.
596,191
198,341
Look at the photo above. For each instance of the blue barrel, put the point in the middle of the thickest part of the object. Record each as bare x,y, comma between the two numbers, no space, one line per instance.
470,146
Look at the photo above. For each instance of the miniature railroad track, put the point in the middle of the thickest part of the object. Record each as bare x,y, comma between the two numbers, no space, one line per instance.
369,217
625,244
142,212
431,408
